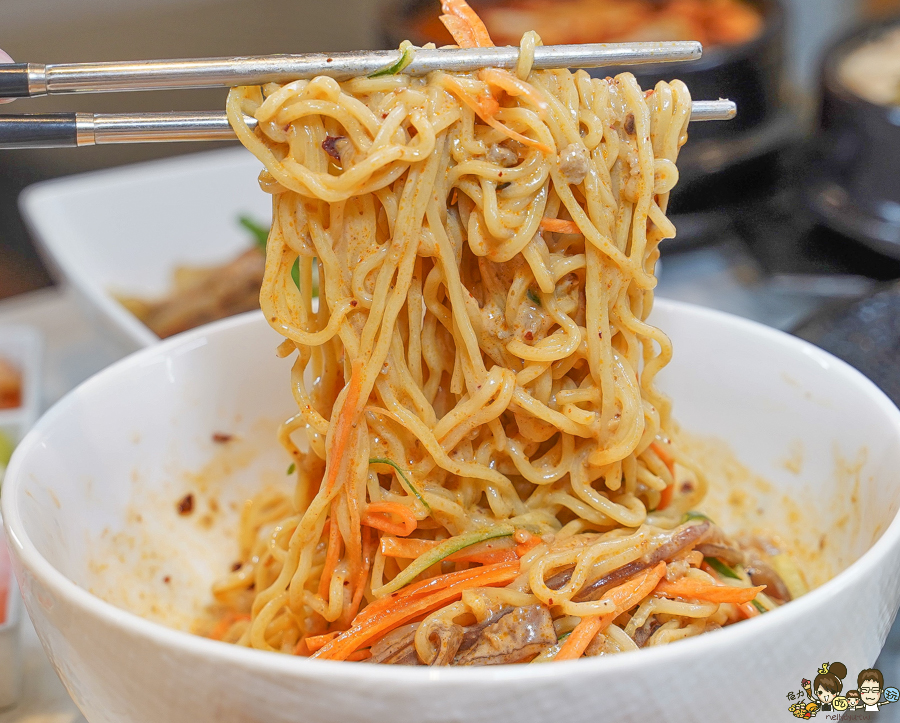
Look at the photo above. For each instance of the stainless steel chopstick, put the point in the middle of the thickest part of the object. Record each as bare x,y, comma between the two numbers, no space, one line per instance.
64,130
24,80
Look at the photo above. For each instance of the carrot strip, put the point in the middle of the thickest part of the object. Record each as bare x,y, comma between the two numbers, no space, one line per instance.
476,33
367,627
332,557
636,588
625,597
344,425
369,545
665,497
582,636
407,549
359,655
492,550
689,587
558,225
664,455
433,584
523,548
486,106
376,515
224,624
511,85
748,610
314,642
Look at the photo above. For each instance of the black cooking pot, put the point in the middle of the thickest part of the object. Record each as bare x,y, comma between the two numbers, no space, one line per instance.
749,74
853,178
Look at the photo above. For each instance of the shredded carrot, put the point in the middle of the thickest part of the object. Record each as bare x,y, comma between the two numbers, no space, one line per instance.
431,585
490,557
314,642
636,588
664,455
407,549
558,225
359,655
344,425
486,106
369,545
665,497
582,636
369,625
748,610
472,31
523,548
332,557
624,597
689,587
377,516
510,84
225,623
486,553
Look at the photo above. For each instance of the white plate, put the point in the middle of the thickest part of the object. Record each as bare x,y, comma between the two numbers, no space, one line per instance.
125,230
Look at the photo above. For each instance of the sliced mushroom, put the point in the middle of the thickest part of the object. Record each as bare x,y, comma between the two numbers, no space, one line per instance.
683,537
471,633
517,636
446,637
762,574
725,553
398,647
645,632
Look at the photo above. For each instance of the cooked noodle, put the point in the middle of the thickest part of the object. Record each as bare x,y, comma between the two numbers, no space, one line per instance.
476,378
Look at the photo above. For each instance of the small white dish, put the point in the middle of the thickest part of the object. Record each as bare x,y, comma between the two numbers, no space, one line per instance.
140,431
125,230
22,346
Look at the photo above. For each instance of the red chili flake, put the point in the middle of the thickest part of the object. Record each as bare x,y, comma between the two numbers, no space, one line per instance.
222,437
236,566
329,145
353,303
600,334
629,124
528,336
186,505
167,579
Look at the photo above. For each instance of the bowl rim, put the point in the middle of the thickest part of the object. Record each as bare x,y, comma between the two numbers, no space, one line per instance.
730,638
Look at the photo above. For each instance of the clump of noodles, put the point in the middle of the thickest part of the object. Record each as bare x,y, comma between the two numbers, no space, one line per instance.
477,364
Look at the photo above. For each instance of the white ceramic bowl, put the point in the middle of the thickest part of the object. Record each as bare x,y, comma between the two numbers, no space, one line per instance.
125,230
91,474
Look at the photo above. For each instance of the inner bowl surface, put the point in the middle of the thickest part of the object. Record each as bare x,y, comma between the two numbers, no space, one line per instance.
90,505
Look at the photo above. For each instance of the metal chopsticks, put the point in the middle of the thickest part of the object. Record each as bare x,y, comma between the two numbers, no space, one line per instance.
60,130
25,80
63,130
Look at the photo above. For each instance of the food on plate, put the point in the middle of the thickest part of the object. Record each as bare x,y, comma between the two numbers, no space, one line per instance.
485,470
711,22
204,294
872,71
